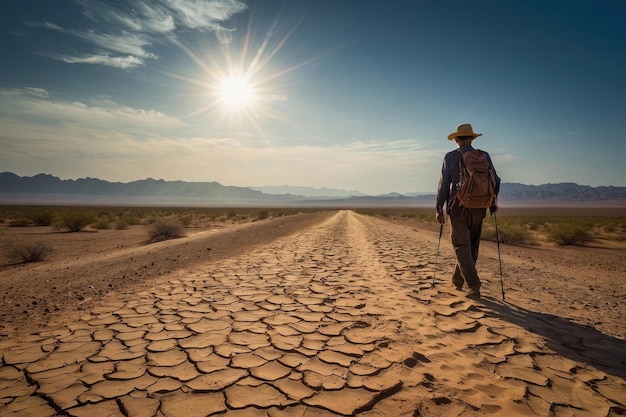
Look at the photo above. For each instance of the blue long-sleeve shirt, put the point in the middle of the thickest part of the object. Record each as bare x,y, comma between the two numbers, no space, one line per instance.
450,177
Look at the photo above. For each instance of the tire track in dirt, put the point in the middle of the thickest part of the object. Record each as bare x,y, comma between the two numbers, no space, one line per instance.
340,319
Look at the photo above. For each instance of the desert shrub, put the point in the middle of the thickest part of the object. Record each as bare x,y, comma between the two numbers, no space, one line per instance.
420,214
510,235
514,234
20,222
120,225
263,214
186,220
165,229
533,225
42,217
130,219
76,220
611,225
101,223
231,214
29,252
568,234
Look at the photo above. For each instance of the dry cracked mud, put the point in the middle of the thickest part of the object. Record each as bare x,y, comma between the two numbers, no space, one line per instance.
341,318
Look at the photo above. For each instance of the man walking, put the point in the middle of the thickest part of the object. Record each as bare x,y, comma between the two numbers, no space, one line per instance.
466,212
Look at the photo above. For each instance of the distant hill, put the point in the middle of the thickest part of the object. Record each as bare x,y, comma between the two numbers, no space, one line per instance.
565,191
45,188
308,191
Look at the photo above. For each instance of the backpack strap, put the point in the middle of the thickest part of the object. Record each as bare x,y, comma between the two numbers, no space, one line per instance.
455,200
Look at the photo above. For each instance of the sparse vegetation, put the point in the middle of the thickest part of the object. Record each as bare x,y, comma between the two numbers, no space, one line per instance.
421,214
101,223
130,218
569,234
511,234
42,216
551,227
530,230
186,220
29,252
21,222
75,220
165,229
120,225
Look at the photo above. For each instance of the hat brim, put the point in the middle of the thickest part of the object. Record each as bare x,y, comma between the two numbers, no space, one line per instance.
455,135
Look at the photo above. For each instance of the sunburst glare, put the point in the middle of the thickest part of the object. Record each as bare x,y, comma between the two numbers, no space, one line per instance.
243,83
236,92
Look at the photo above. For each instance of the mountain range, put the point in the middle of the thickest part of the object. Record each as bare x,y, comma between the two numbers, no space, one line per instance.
48,189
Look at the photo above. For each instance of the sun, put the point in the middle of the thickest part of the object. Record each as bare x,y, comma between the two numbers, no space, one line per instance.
236,92
246,85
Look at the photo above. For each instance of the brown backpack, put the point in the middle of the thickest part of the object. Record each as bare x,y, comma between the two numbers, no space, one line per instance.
477,184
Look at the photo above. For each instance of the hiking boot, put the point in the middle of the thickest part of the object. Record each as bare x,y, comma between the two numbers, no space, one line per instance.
458,283
474,292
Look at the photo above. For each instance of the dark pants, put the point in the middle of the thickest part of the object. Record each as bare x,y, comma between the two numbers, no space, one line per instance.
466,226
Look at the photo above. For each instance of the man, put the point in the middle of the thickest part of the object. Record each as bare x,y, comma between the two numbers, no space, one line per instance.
466,223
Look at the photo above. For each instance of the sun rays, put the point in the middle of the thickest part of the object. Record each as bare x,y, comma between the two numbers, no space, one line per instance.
243,82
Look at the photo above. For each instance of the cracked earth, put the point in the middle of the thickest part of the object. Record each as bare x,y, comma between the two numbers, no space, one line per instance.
342,318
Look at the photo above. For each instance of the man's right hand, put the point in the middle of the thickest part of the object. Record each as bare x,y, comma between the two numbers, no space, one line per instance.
441,219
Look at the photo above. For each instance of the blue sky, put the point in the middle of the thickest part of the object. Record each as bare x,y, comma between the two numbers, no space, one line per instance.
351,94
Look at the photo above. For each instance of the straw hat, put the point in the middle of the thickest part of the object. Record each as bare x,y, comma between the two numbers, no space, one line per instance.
464,130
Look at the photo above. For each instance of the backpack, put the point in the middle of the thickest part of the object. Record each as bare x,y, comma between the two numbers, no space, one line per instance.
477,184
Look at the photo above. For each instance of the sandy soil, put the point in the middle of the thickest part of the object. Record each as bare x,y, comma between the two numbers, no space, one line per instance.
327,314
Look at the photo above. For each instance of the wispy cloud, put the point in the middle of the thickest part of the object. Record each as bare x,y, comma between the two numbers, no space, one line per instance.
47,25
206,15
35,107
125,43
129,61
127,31
138,17
36,92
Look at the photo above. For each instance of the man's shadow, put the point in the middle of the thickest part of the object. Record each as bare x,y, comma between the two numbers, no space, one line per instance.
575,341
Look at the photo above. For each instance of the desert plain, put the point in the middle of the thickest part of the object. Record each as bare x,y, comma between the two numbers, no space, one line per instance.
316,314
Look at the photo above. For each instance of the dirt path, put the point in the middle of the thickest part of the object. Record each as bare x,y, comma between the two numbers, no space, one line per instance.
339,319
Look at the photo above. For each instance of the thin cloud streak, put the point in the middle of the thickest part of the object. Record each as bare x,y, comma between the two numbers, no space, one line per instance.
123,62
33,106
126,43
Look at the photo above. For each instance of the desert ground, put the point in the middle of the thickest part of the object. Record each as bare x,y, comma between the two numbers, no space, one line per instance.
317,314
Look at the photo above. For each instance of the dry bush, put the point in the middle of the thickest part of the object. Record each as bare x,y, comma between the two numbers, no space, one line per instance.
76,220
120,225
165,229
101,223
29,252
130,218
511,234
21,222
186,220
569,234
42,216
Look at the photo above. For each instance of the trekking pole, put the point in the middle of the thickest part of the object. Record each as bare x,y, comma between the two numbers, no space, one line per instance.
495,217
437,254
